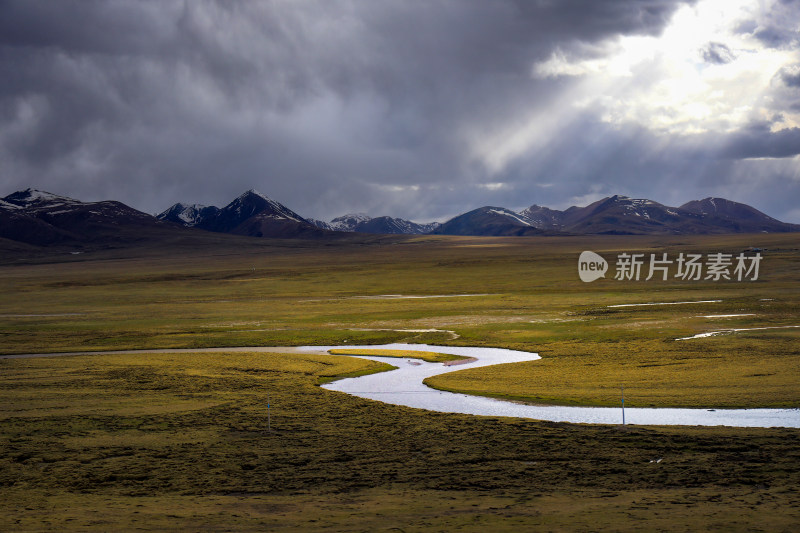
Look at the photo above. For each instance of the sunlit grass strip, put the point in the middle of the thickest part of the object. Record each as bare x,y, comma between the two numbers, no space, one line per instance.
431,357
383,367
757,371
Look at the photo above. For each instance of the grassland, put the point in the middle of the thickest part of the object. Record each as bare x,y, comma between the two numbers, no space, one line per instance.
179,440
185,441
532,300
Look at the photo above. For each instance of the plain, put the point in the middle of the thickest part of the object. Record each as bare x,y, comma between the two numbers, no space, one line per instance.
166,440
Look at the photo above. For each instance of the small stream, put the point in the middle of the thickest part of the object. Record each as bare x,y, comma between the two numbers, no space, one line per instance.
404,387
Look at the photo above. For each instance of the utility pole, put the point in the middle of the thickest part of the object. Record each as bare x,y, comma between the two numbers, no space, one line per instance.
269,416
622,389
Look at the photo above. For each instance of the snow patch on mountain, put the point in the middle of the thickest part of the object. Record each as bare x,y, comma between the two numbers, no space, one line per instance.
512,215
429,227
33,198
321,224
8,205
349,222
190,214
187,215
363,223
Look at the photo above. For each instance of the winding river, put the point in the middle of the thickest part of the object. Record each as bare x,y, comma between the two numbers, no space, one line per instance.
404,387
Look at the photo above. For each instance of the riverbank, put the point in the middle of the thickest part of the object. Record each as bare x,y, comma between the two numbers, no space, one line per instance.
406,386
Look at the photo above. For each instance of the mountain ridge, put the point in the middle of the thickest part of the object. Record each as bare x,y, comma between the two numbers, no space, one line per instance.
624,215
488,221
39,218
386,225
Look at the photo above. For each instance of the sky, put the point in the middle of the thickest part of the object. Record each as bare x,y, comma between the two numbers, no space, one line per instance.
419,109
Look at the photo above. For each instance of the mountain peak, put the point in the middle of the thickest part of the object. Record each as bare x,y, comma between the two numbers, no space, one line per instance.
353,216
35,196
253,193
543,217
349,222
722,207
488,220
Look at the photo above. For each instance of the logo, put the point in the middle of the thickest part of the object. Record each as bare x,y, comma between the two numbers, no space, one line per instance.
591,266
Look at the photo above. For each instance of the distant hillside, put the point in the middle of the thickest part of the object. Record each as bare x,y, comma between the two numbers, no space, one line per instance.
736,217
543,217
497,221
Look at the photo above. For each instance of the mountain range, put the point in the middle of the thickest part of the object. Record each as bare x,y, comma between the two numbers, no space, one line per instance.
252,213
276,220
619,215
43,219
629,216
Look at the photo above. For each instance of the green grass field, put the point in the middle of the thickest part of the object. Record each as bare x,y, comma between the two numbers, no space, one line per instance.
171,441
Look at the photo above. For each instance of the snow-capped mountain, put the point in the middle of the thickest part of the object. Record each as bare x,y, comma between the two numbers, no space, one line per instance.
34,199
349,222
252,213
488,221
42,218
623,215
390,225
618,215
247,205
361,223
188,215
542,217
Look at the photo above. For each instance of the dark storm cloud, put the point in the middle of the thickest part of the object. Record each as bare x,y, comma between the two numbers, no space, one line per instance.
758,141
776,37
634,161
791,76
779,29
91,26
326,106
717,53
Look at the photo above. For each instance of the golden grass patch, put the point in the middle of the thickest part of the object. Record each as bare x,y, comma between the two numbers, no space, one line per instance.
431,357
714,372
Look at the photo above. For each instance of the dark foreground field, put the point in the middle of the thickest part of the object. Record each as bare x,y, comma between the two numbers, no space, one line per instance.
181,441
